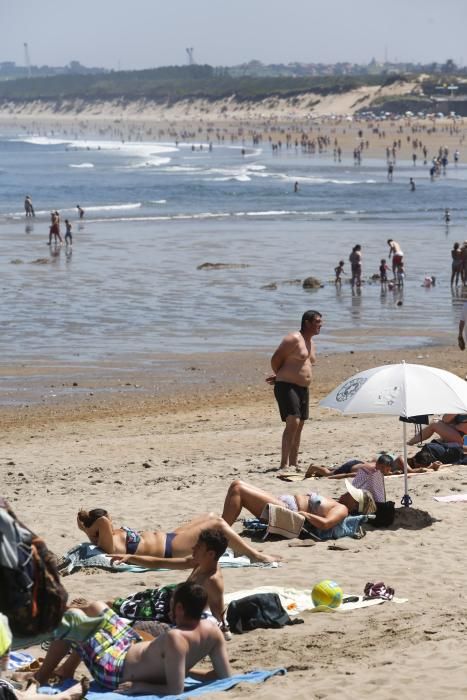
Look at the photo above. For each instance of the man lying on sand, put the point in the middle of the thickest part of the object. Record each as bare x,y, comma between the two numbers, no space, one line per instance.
118,660
161,546
320,511
210,546
433,455
383,463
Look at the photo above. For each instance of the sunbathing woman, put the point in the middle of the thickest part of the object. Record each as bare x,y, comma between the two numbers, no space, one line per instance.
97,525
451,428
320,511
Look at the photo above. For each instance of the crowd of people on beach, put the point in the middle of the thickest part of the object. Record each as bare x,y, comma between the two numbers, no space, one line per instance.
147,642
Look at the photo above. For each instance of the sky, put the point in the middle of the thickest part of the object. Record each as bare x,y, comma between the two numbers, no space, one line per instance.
130,34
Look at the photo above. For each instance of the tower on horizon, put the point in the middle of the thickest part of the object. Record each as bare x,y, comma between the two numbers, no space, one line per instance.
27,60
191,59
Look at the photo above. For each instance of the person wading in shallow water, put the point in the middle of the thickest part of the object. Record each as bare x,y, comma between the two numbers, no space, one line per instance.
292,366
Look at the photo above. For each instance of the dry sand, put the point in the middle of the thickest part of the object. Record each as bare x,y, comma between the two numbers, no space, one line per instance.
89,451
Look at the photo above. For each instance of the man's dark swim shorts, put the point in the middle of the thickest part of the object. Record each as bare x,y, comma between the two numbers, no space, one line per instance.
292,400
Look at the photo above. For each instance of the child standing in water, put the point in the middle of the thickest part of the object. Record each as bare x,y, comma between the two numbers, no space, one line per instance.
383,272
339,270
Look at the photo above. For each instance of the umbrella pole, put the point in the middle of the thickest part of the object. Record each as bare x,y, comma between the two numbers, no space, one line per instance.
406,500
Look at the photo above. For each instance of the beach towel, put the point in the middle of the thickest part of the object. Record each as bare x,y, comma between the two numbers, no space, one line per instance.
18,659
298,600
454,498
349,527
88,555
192,686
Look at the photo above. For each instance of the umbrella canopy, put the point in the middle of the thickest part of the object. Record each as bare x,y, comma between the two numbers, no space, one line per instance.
404,390
400,390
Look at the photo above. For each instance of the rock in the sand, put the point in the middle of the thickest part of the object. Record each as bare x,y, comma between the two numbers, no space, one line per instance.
40,261
222,266
271,285
16,261
311,283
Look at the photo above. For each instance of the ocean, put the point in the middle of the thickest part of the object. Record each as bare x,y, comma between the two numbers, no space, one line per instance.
130,286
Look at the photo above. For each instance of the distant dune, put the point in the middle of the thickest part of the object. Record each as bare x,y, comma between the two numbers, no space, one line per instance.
226,110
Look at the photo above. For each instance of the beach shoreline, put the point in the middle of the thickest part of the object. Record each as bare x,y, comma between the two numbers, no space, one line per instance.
68,390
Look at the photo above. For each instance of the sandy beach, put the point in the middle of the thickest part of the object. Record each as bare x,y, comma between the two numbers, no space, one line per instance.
273,120
157,458
159,442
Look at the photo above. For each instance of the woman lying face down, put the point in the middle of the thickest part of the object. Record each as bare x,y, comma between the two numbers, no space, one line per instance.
135,546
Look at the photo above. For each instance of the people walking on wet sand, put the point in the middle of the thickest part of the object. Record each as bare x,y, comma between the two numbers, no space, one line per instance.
355,259
80,211
447,217
68,234
457,264
412,184
28,206
292,366
55,228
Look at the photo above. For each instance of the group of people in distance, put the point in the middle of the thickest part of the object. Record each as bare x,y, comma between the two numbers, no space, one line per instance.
355,259
54,229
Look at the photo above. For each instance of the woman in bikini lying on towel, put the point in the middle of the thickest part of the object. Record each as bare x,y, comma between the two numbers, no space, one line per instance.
320,511
126,542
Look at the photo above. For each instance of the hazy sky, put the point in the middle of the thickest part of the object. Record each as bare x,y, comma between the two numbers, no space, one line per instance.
148,33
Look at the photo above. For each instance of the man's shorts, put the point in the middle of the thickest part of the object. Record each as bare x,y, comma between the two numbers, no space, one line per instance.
292,400
105,651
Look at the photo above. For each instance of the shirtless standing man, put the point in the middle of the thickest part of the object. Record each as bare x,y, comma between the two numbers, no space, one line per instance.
395,252
292,366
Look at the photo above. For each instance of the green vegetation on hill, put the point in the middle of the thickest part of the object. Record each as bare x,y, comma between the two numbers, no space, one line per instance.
174,83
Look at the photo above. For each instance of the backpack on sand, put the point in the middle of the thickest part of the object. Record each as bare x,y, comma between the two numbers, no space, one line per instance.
31,594
258,611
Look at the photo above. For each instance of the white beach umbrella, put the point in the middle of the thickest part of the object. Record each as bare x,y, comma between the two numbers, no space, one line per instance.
404,390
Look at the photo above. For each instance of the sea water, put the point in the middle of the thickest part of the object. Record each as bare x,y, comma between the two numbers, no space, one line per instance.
130,285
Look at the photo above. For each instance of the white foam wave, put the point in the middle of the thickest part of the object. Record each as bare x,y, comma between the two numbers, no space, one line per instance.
182,169
81,165
112,207
152,163
323,180
143,149
41,140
